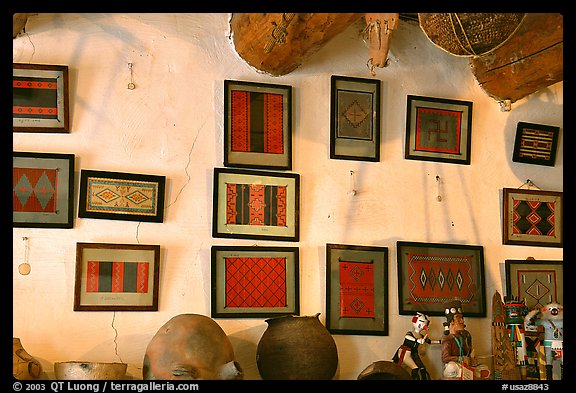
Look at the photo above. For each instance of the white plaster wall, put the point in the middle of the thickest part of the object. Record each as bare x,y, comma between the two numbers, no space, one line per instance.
172,125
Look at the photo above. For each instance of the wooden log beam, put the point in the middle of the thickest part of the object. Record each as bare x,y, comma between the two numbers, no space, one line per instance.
277,43
530,60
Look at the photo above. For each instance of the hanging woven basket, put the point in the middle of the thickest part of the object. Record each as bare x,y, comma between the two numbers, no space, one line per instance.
469,34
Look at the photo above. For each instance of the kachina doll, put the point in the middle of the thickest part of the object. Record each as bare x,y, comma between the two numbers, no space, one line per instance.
551,316
515,312
408,354
457,350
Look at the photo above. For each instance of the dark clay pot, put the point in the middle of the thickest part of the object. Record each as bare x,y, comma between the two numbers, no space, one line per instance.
296,348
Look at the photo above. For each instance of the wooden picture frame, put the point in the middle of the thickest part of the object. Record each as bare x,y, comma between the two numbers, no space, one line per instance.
438,129
536,143
249,204
257,125
40,98
538,282
533,217
354,118
357,289
116,277
42,190
121,196
254,282
430,274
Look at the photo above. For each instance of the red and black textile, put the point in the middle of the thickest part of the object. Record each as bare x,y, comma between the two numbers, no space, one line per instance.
533,218
257,122
127,277
255,282
35,98
34,190
438,130
255,204
356,289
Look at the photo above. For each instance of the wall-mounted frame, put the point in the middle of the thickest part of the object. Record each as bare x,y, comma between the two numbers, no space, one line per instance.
354,118
116,277
42,190
430,274
438,129
40,98
538,282
356,289
535,144
250,204
121,196
533,217
257,125
254,282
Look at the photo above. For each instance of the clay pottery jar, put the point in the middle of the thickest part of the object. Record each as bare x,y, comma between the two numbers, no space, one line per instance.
190,346
78,370
296,348
383,369
24,366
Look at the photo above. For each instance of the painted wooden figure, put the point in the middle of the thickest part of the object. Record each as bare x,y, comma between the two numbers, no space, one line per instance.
515,312
408,353
551,316
457,350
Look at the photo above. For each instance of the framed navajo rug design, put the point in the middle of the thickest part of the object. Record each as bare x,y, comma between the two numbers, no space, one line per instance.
254,282
40,101
42,190
354,118
256,204
538,282
257,125
438,129
356,289
116,277
430,274
533,217
536,144
121,196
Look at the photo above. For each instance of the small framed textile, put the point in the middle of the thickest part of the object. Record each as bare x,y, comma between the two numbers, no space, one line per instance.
535,144
354,118
532,217
430,274
116,277
252,204
356,289
42,190
121,196
40,101
538,282
254,282
257,125
438,129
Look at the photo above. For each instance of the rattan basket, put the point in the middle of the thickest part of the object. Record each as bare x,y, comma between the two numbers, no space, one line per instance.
469,34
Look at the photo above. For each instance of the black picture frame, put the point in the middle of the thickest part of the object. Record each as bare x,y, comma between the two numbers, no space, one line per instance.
536,143
122,196
355,118
42,190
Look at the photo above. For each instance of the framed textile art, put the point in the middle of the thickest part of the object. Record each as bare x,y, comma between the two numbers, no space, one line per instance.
438,129
254,282
252,204
357,289
536,144
538,282
354,118
42,190
257,125
121,196
430,274
532,217
40,101
116,277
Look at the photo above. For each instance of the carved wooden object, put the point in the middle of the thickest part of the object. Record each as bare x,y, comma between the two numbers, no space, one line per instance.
530,60
277,43
378,32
